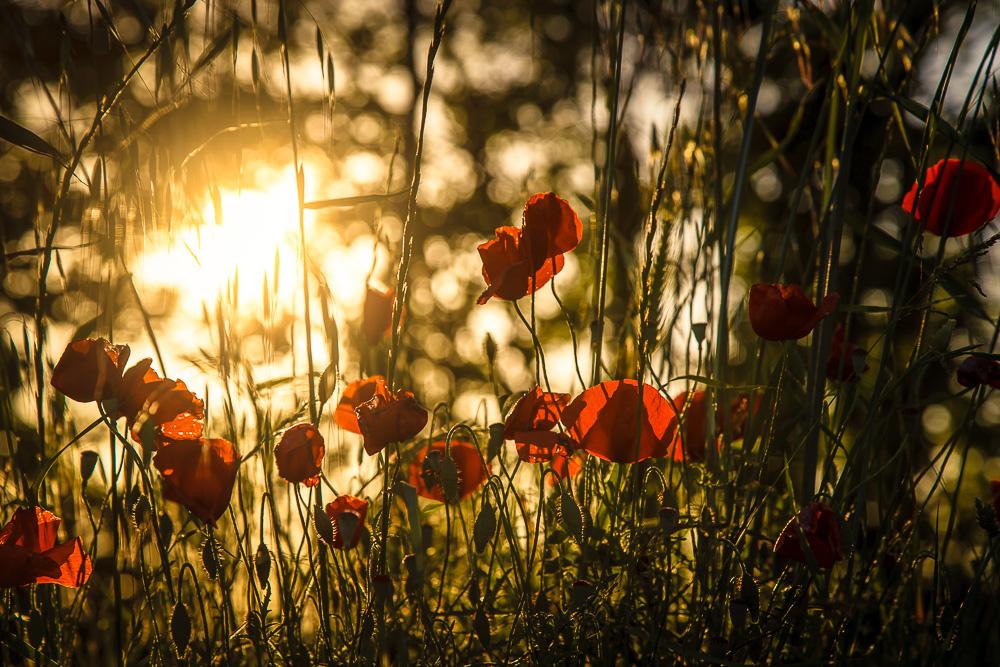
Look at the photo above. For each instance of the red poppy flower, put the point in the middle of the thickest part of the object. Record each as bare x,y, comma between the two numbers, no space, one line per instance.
995,493
784,312
29,553
299,455
354,395
167,403
348,516
521,260
693,404
819,525
90,370
530,425
376,320
425,470
976,370
385,418
603,420
840,365
199,474
958,198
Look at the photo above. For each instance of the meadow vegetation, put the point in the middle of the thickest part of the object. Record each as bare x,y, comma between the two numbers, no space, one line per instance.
608,332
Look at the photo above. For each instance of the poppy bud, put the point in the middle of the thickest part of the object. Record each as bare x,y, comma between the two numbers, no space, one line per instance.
209,555
262,565
485,526
668,519
88,461
580,592
382,587
180,628
481,626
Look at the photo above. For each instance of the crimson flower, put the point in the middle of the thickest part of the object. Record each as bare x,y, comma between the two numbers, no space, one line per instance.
530,425
299,455
784,312
167,404
819,525
425,470
348,516
93,370
840,365
957,199
995,493
198,473
90,370
607,421
385,418
693,406
29,553
376,319
976,370
354,395
522,259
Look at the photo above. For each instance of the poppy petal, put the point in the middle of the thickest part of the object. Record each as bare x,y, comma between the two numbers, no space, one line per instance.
198,474
355,394
299,455
336,509
958,198
90,370
608,422
471,473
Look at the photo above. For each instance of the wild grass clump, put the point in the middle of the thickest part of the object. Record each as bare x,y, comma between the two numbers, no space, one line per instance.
392,333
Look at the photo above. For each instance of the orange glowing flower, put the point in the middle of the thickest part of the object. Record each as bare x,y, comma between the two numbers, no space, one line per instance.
354,395
522,259
425,471
608,421
784,312
348,516
819,525
167,404
90,370
957,199
299,455
376,319
530,425
29,553
385,418
199,474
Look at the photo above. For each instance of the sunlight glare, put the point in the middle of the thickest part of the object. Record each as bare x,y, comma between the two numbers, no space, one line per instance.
203,260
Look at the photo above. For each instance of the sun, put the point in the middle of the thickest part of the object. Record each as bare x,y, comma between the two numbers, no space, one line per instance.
252,238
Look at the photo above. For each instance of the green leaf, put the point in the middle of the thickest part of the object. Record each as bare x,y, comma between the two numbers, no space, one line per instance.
25,138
